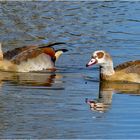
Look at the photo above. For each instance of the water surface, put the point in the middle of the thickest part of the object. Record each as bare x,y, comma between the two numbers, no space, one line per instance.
52,105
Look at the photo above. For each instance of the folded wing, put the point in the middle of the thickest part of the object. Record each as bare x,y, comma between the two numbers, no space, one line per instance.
129,67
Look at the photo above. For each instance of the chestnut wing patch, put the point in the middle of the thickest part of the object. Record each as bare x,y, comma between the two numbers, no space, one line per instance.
49,51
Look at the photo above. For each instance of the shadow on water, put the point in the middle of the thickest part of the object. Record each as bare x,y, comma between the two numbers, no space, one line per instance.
106,91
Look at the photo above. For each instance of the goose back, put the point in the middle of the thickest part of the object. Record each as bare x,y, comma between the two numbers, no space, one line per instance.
129,67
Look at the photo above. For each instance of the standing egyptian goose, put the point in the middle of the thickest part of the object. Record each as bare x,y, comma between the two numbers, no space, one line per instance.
128,71
30,58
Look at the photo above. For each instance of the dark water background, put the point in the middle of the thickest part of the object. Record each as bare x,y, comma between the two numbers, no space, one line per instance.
52,105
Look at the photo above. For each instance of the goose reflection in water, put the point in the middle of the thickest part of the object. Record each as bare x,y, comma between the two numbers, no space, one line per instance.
37,79
106,90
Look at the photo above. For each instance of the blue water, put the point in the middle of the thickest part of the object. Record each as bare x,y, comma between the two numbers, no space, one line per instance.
52,105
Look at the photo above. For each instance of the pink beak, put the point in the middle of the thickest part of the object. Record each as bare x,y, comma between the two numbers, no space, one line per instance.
91,62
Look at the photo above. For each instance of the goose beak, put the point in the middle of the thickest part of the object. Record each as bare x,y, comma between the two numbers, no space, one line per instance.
91,62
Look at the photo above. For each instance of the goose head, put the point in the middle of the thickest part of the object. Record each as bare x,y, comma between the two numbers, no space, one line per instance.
59,52
100,57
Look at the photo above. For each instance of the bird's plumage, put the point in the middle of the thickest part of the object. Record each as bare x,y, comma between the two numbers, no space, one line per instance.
30,58
129,67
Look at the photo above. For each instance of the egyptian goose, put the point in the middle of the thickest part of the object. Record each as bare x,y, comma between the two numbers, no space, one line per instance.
30,58
128,71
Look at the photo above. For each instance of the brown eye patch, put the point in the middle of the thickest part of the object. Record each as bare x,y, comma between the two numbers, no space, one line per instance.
100,54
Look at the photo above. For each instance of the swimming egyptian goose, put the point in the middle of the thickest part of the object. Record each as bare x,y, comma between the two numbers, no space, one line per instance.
30,58
128,71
